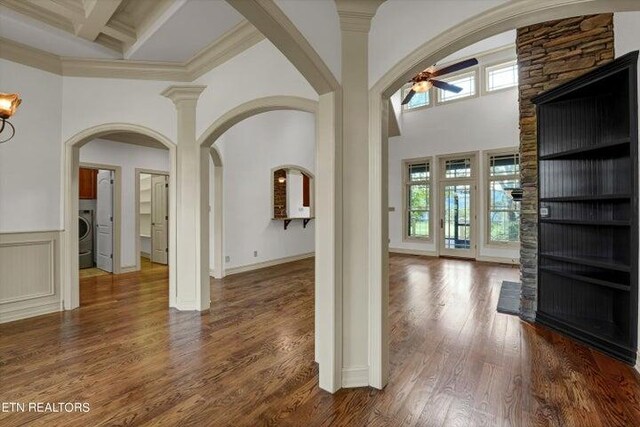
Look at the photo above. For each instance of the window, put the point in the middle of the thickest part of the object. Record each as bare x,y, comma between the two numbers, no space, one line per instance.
419,99
501,76
417,183
466,81
503,213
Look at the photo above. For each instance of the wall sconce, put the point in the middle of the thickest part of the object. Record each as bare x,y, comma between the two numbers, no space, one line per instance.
8,104
282,179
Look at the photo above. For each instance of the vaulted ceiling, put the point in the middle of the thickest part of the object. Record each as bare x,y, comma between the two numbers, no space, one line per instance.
144,30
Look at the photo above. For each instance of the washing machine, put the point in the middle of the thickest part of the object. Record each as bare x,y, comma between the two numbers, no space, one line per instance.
85,235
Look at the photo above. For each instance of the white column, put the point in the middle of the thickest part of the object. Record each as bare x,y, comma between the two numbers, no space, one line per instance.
355,21
192,278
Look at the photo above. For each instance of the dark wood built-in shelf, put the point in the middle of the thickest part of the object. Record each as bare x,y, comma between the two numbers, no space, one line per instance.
612,148
614,223
588,194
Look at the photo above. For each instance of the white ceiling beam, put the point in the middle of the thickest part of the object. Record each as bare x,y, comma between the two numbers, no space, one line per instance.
97,14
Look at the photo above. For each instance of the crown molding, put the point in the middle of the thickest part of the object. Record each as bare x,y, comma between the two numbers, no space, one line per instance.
27,55
235,41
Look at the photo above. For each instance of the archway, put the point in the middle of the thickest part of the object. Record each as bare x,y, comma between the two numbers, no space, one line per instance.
206,143
509,16
69,264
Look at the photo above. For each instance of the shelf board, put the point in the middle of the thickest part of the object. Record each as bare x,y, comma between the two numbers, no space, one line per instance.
586,279
613,223
595,198
600,330
612,147
589,261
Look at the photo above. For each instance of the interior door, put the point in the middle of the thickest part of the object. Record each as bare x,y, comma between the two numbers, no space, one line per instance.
104,221
458,207
159,219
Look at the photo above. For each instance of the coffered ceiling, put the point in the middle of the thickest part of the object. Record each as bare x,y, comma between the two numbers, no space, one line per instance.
166,31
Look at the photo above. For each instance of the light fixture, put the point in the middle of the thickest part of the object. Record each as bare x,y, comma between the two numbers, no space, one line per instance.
8,104
422,86
281,179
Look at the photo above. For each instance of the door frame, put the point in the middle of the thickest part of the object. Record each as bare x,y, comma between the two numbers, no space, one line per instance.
137,173
442,182
116,209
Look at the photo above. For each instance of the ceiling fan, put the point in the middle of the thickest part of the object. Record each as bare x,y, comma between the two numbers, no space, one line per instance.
425,79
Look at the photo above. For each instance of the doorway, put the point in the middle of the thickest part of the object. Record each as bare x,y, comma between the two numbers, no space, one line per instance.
458,186
98,219
152,219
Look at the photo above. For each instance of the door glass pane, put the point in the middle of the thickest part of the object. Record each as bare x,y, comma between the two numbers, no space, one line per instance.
457,168
457,216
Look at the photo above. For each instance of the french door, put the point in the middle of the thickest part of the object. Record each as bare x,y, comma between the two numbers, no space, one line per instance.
457,200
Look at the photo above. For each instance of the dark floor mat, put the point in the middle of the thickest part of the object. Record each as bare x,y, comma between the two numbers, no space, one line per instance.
509,301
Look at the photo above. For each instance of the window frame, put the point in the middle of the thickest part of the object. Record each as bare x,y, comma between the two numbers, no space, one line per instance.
406,163
469,71
487,199
485,74
406,109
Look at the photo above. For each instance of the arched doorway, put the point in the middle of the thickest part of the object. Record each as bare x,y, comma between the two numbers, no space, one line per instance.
69,265
207,141
510,16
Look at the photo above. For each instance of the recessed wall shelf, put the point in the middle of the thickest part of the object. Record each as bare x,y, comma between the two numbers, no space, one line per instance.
588,193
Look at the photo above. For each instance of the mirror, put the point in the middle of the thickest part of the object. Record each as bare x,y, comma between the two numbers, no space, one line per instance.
292,192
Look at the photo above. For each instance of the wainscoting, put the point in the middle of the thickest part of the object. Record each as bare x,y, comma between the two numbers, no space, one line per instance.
29,274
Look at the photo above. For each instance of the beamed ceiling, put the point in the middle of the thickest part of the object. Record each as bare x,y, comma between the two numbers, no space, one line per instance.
163,31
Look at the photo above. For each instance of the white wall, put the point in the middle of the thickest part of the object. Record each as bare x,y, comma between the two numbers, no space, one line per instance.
129,157
30,163
401,26
478,124
250,150
627,39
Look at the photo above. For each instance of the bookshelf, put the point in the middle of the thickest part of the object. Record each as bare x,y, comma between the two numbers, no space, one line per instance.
588,208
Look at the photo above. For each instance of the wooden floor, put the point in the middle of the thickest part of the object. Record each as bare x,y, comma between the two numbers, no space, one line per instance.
454,360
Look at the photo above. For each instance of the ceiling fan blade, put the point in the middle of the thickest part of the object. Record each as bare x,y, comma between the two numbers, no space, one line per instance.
455,67
407,98
446,86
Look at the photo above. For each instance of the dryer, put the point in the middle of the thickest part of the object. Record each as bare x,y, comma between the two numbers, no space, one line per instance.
85,236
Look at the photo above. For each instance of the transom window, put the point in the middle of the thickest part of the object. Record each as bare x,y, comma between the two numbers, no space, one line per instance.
502,76
419,99
417,183
457,168
466,81
503,211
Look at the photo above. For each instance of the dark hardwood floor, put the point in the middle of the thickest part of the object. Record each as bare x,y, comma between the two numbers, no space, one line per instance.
455,361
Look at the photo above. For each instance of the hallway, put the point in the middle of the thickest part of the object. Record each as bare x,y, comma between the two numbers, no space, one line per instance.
454,359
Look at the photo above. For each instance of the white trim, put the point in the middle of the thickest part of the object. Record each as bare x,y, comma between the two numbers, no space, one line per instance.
145,255
419,252
27,312
265,264
499,260
129,269
355,377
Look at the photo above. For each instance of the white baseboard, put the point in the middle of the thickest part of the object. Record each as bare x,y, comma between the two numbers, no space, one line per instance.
145,255
499,260
26,312
128,269
355,377
412,252
265,264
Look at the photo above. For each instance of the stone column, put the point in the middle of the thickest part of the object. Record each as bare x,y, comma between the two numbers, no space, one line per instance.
355,21
192,244
549,54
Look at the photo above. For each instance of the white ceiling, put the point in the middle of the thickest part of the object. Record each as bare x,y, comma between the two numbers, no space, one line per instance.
182,29
194,26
